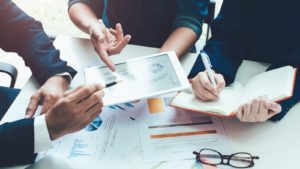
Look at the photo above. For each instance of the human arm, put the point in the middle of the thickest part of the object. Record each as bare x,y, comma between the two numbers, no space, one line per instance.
186,26
20,140
225,48
106,41
22,34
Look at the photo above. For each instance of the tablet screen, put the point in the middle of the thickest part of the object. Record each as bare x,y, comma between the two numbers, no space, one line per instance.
139,77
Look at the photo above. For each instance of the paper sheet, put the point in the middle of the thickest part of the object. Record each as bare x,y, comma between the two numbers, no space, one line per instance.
174,134
116,139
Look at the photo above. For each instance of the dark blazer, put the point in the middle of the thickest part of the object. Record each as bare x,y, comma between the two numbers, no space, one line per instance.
22,34
265,31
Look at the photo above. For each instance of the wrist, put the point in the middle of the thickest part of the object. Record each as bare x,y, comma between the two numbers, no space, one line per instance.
52,129
95,25
61,80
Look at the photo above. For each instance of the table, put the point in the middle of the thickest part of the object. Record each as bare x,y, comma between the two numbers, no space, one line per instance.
277,144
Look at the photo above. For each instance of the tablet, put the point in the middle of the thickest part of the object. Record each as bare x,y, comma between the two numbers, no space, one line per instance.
141,77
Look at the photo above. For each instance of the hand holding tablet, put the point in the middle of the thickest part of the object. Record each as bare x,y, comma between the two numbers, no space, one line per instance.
142,77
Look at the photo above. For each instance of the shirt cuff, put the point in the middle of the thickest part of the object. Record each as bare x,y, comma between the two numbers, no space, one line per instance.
42,141
66,75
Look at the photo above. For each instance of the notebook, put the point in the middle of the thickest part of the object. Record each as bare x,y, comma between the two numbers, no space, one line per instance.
277,84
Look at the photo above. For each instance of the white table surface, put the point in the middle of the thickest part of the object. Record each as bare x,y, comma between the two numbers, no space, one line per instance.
277,144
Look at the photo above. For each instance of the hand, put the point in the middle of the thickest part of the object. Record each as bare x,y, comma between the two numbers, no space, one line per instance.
75,110
108,42
47,95
203,88
259,109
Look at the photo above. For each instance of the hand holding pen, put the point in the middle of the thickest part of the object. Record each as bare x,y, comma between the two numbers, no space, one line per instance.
207,84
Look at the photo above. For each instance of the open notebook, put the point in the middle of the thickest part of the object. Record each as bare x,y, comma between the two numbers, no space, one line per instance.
277,84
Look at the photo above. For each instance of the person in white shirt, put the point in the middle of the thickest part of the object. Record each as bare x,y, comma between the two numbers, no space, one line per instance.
63,111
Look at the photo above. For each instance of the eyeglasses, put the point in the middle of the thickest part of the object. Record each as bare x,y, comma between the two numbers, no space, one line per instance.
236,160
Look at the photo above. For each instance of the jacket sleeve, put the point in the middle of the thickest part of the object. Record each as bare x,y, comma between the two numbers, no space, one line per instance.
286,105
190,14
22,34
96,5
17,143
226,46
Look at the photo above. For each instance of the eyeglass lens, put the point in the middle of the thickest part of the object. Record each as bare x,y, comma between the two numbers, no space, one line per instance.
238,160
241,160
210,157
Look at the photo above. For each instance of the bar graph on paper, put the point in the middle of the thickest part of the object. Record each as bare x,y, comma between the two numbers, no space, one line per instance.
79,148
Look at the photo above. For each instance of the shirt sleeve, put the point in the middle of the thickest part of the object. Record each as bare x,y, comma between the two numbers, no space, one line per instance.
96,5
42,141
190,14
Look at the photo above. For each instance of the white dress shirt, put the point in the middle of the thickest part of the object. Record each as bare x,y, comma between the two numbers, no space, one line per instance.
42,141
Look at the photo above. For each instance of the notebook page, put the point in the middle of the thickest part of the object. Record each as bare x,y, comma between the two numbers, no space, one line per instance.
224,105
276,84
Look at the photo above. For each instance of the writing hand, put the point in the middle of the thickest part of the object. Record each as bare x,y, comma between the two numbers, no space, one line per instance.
203,88
75,110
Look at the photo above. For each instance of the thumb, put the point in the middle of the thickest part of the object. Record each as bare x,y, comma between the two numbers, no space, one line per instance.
33,104
48,102
273,107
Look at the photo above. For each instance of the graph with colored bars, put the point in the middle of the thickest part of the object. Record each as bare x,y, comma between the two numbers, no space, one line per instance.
169,134
78,149
122,106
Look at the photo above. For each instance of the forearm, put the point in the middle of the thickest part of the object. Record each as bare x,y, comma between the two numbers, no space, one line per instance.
22,34
82,16
180,41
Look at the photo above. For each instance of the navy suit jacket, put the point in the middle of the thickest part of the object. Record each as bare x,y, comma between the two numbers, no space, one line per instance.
259,30
22,34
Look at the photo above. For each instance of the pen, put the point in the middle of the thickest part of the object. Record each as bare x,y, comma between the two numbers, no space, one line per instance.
107,85
208,66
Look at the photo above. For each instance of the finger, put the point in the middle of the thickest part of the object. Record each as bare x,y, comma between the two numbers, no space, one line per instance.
84,92
204,80
48,102
239,113
120,46
246,110
220,82
201,92
263,110
199,95
98,36
105,58
95,110
120,33
205,93
33,104
69,92
90,116
113,31
254,110
273,107
95,98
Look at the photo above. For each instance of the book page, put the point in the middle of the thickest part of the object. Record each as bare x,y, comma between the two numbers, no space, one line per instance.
276,84
224,105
